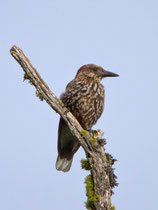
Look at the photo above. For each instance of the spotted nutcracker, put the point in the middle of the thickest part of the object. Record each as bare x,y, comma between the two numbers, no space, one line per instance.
84,97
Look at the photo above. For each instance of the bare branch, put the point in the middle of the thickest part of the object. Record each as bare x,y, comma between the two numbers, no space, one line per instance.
99,163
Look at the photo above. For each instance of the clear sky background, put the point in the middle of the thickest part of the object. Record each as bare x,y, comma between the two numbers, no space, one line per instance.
58,37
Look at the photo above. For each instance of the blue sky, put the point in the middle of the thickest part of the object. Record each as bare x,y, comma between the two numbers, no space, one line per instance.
59,37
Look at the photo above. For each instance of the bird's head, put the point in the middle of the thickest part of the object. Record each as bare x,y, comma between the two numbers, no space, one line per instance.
92,71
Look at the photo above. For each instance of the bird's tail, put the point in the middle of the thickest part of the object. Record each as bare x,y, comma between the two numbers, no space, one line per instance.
63,164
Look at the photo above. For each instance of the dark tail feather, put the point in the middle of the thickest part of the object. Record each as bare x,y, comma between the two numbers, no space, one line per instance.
63,164
68,145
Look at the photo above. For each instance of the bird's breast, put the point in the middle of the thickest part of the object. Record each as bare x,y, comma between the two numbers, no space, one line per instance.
86,102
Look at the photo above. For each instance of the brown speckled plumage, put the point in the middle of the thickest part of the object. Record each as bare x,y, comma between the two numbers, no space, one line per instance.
84,96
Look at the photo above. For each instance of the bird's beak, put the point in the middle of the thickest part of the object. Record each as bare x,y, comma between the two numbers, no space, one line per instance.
109,74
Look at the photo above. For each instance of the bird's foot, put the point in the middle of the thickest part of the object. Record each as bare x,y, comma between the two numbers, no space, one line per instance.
97,134
92,133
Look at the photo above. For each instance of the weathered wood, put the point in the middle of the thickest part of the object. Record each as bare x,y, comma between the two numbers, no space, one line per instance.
94,151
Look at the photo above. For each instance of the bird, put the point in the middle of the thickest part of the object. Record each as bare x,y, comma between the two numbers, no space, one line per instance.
84,97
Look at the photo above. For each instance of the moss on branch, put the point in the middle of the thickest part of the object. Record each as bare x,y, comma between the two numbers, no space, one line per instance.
91,198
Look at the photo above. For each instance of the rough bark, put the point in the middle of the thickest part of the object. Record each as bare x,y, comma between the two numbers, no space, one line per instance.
99,163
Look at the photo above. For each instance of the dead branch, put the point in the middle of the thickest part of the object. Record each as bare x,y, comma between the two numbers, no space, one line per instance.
100,164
